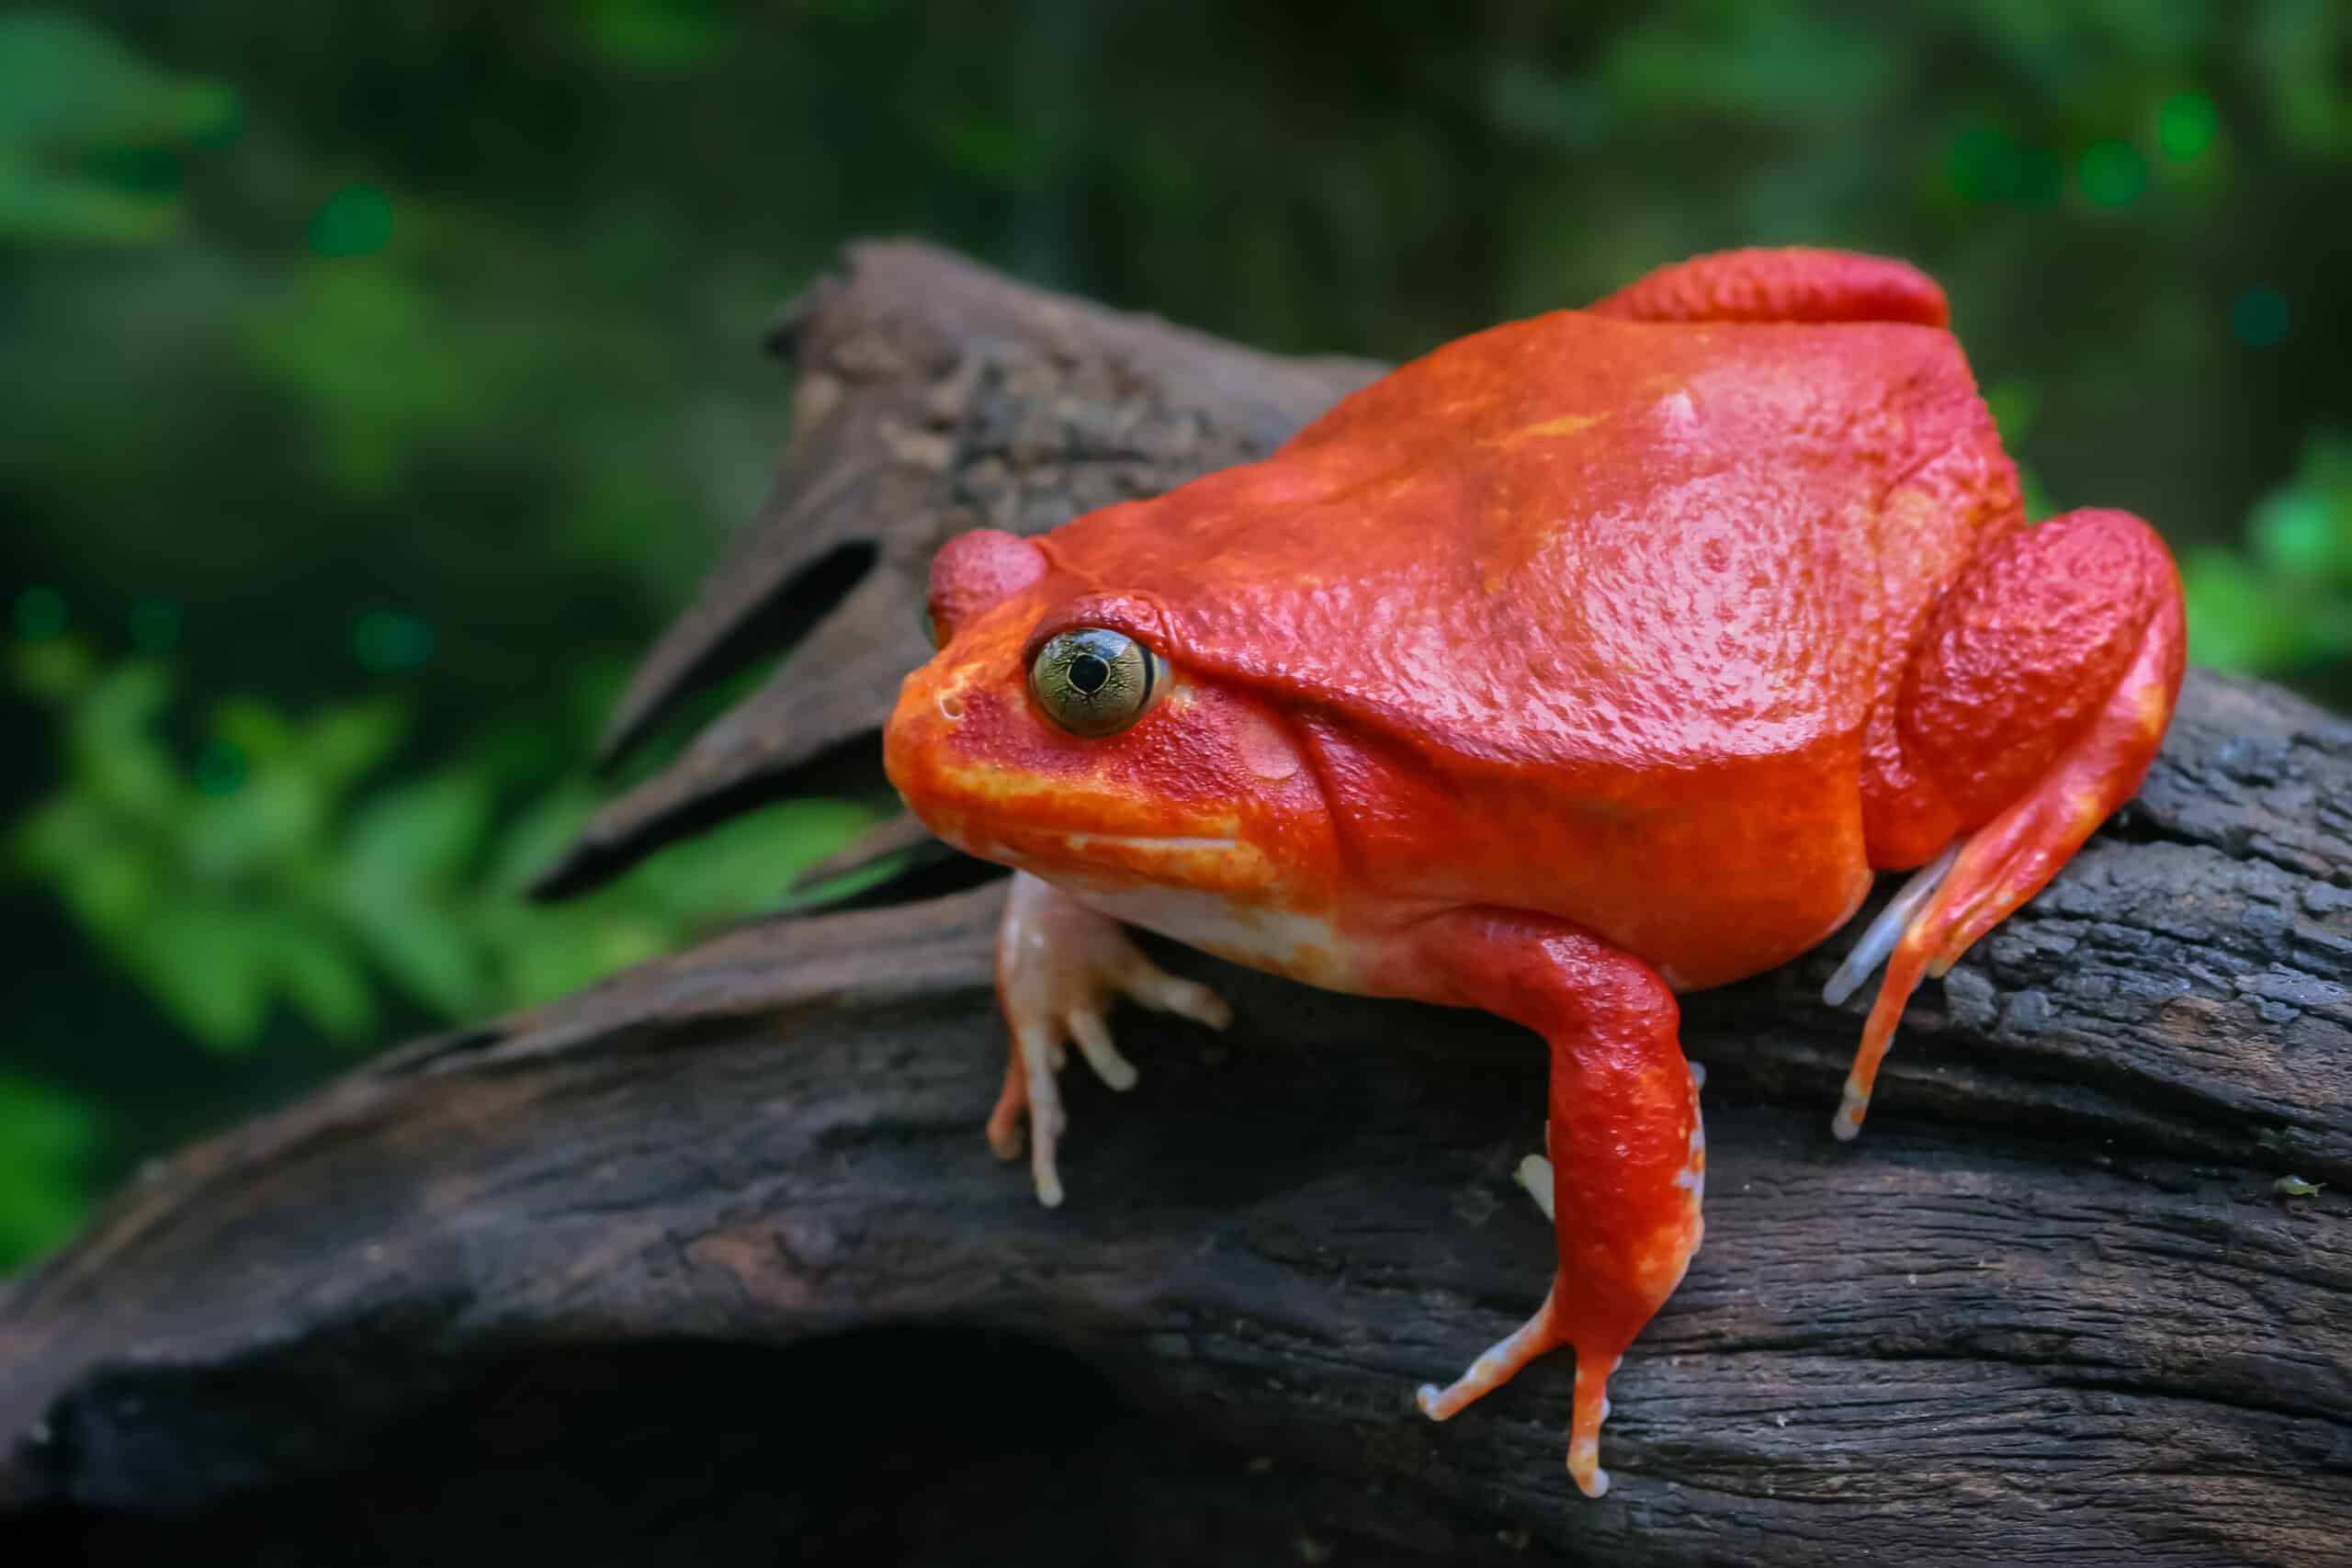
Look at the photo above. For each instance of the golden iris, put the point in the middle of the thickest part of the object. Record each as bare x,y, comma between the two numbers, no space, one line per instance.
1095,681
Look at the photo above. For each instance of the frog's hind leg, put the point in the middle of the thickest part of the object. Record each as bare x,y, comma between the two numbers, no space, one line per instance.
1627,1172
2034,705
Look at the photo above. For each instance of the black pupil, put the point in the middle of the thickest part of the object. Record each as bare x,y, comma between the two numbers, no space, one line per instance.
1087,673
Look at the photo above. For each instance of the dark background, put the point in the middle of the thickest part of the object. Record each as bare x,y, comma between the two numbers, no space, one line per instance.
374,381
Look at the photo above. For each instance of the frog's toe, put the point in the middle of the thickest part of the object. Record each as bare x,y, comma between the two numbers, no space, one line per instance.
1042,1056
1500,1361
1879,939
1534,1174
1005,1121
1146,983
1093,1037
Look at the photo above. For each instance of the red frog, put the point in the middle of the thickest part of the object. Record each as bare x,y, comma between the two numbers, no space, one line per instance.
1588,659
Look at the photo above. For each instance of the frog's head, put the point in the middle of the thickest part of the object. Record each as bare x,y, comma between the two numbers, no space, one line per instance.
1059,731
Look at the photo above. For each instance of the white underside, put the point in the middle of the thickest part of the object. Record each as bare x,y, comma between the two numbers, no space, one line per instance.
1287,943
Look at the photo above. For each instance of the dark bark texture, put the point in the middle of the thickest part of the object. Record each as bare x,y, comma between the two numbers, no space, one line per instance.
710,1263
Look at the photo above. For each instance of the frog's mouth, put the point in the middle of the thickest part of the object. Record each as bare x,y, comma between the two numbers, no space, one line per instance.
1080,843
1211,862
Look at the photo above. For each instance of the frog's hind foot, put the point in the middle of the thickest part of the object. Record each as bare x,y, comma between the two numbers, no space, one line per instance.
1059,968
1501,1361
1547,1330
2086,608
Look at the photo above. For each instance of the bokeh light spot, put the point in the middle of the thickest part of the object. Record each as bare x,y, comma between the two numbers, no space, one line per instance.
2114,174
2185,125
219,768
154,625
354,221
40,614
386,641
2259,316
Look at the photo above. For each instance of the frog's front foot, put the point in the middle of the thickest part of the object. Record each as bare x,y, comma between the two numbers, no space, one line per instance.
1059,967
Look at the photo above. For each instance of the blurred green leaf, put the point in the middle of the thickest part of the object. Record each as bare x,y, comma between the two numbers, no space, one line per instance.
112,750
2301,46
540,832
87,133
326,983
652,37
50,838
419,834
47,1141
423,950
113,885
52,670
347,741
2304,528
209,963
2013,403
2286,605
275,884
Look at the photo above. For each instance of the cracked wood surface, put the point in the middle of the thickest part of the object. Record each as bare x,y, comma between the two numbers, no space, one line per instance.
723,1234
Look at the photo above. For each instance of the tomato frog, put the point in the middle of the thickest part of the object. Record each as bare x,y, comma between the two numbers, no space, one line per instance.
1585,661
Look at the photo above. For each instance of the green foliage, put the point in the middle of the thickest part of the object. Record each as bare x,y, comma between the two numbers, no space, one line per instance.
263,871
91,136
2284,607
47,1138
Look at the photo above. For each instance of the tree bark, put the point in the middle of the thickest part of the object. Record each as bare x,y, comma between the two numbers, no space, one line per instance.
710,1262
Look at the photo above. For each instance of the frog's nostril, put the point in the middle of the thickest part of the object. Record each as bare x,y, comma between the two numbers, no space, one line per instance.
951,707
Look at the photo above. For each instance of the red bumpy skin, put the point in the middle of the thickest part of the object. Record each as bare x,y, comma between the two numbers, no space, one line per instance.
1794,285
1629,1159
2035,701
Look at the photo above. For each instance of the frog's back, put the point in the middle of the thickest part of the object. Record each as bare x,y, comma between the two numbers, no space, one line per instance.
1575,540
1606,601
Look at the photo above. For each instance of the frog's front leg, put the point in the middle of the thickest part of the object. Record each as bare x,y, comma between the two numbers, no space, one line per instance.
1059,967
1628,1158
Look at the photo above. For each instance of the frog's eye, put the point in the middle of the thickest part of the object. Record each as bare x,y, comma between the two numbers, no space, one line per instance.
1094,682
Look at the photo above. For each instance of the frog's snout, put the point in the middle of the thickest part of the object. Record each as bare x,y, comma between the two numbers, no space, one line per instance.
925,712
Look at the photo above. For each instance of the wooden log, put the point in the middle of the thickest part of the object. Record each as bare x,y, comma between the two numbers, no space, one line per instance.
710,1263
